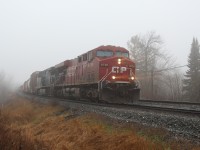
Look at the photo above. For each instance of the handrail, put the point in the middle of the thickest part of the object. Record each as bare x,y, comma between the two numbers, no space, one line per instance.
105,78
101,80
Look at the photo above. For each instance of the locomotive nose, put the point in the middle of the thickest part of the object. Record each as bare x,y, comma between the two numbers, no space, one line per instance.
120,70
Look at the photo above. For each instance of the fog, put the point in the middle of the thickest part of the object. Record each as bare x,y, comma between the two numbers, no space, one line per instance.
35,35
5,87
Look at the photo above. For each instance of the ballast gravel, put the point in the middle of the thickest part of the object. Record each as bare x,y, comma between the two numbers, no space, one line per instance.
179,125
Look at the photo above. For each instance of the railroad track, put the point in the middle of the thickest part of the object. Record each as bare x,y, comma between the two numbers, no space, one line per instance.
168,102
187,111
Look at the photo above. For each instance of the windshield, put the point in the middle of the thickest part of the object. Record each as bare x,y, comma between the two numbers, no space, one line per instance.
104,53
123,54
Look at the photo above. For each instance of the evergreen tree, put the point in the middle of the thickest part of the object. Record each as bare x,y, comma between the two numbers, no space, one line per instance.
191,82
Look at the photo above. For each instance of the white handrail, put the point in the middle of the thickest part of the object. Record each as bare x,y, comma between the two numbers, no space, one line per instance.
105,78
102,79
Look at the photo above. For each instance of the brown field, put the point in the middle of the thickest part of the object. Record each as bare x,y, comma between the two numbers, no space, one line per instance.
27,125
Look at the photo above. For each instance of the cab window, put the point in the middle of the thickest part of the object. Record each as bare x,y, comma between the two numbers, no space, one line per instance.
122,54
118,54
104,53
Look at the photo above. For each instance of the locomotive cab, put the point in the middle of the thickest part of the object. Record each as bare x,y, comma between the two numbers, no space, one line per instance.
117,81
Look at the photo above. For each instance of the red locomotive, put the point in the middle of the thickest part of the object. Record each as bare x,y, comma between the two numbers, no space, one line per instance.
105,73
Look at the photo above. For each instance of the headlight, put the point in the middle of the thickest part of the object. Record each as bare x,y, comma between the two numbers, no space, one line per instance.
113,77
132,78
119,61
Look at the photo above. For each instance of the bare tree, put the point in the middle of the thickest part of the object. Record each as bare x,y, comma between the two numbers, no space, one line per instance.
169,84
151,60
145,51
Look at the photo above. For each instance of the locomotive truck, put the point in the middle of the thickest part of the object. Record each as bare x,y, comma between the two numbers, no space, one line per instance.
105,73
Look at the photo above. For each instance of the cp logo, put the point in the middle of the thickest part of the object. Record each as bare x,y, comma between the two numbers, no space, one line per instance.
118,69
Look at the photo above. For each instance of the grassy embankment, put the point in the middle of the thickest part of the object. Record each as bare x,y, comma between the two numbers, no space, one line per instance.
27,125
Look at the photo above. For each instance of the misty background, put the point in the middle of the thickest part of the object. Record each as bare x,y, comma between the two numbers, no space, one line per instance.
35,35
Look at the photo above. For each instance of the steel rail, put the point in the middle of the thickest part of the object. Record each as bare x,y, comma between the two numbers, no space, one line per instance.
114,105
169,102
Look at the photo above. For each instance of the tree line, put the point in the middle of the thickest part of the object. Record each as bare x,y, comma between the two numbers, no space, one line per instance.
157,71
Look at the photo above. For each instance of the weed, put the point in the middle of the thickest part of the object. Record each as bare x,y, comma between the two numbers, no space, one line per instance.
28,125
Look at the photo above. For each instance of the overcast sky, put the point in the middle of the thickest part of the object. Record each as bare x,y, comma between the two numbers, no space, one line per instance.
37,34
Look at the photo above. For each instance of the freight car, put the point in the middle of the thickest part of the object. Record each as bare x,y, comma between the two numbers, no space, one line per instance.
105,73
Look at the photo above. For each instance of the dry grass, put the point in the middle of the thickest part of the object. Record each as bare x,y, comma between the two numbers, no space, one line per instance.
28,125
